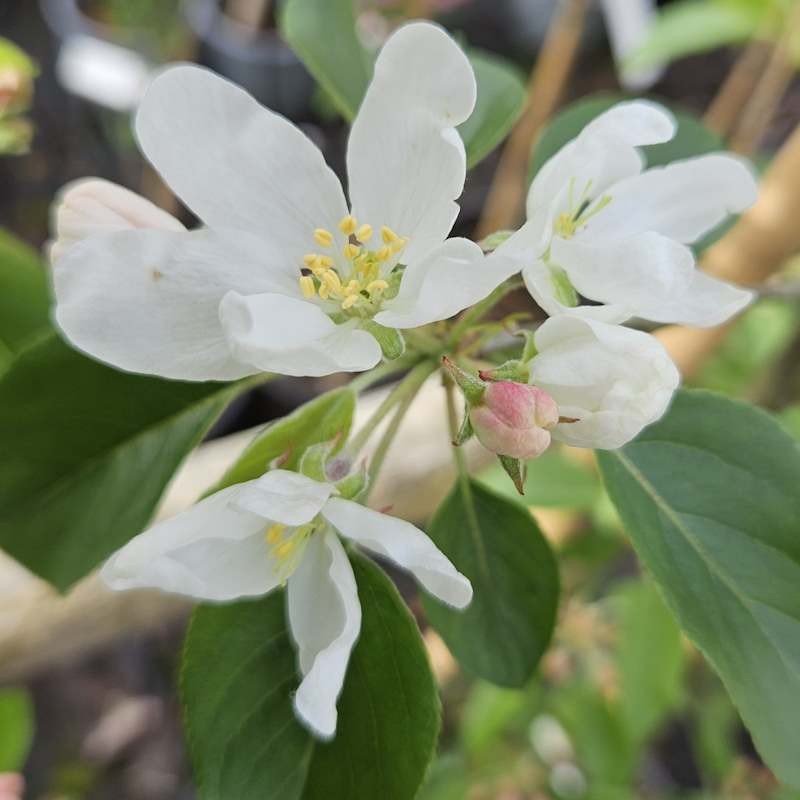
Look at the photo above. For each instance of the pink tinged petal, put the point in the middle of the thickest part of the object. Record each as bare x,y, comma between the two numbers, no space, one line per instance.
91,206
282,334
450,278
683,200
402,543
212,551
615,381
635,273
499,437
283,496
148,301
235,163
325,620
405,160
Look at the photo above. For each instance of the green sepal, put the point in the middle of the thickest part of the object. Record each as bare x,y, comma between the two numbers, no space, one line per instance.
353,485
391,341
471,385
465,431
494,240
563,289
516,469
529,350
512,370
315,458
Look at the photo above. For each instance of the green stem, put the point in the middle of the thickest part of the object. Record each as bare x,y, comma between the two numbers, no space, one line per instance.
479,310
366,379
453,425
411,385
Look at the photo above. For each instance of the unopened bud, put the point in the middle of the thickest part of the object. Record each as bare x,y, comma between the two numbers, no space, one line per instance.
514,419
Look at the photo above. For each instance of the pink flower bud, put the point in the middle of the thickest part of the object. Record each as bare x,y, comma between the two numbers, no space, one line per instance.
514,419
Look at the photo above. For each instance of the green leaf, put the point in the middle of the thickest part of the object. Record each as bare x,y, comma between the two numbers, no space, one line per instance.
238,677
692,138
85,454
553,480
501,100
709,497
24,297
16,729
498,546
650,659
695,26
320,420
323,34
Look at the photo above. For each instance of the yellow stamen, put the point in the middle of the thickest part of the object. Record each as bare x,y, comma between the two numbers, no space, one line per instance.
323,237
353,287
324,292
310,258
274,533
377,286
351,251
348,225
364,233
307,286
349,301
283,550
399,245
383,253
388,235
331,280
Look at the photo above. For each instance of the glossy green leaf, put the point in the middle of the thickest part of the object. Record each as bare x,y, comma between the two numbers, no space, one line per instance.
498,546
501,99
691,139
16,729
650,659
85,454
237,680
323,34
553,480
320,420
24,297
709,496
695,26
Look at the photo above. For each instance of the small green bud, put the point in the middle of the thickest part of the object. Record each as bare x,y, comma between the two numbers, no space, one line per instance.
391,341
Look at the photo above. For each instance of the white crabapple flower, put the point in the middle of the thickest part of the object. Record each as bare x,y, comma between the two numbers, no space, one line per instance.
284,275
601,227
609,381
248,539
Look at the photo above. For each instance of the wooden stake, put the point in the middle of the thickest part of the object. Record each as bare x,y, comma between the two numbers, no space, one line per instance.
505,202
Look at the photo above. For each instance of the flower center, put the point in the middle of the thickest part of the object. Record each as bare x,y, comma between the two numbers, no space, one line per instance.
580,210
359,278
285,545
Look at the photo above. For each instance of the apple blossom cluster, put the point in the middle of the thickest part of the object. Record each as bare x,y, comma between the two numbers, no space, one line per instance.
285,275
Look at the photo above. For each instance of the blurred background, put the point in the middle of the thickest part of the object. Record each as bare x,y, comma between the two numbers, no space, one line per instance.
624,707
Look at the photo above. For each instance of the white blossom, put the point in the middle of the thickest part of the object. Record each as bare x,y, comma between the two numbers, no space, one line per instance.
249,539
284,275
613,381
601,227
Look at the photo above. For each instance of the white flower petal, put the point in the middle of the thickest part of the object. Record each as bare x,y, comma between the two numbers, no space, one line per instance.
706,301
405,160
539,281
401,542
148,300
451,277
284,496
283,334
636,122
683,200
614,380
628,23
91,206
325,620
634,272
212,551
235,163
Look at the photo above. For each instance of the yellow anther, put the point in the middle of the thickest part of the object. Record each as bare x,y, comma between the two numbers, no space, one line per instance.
348,225
309,259
285,549
323,237
326,261
307,286
353,287
388,235
383,253
274,533
351,251
324,292
349,301
399,245
364,233
377,286
331,280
